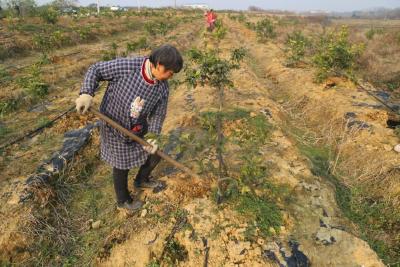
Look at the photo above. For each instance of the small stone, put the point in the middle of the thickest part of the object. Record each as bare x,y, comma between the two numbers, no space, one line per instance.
96,224
253,114
327,236
143,213
397,148
39,108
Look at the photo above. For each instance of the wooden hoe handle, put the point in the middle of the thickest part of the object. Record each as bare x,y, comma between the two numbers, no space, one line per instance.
143,142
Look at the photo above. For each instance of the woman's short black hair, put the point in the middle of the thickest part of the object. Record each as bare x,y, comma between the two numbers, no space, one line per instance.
168,56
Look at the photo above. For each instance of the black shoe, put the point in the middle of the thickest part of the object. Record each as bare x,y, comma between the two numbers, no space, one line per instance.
130,207
149,183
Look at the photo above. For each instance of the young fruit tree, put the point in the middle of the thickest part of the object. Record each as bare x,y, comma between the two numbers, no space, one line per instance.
207,68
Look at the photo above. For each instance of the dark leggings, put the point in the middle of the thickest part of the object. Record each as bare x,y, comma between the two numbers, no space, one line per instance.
121,178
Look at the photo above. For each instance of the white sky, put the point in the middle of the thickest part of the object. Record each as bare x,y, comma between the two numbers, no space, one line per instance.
292,5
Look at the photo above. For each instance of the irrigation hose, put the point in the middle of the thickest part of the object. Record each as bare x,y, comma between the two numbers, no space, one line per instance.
48,124
375,97
143,143
37,130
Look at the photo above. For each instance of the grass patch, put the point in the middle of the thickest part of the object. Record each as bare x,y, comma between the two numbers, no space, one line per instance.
5,76
394,84
174,253
3,131
8,105
263,212
41,122
33,84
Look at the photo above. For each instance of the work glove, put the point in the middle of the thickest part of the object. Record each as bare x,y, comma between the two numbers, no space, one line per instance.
152,149
83,103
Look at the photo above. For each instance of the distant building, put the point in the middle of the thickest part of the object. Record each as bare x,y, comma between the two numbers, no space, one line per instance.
69,10
318,12
196,6
115,8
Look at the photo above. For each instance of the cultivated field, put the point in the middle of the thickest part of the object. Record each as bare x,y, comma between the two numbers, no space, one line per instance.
289,121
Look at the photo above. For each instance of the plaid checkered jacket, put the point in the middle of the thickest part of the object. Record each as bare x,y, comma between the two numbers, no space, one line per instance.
126,81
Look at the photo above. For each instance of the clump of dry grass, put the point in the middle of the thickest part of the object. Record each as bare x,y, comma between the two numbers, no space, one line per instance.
353,157
378,63
47,225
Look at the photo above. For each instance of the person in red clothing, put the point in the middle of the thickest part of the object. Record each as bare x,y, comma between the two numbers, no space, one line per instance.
211,17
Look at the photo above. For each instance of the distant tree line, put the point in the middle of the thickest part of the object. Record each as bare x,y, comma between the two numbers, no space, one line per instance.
28,8
381,13
259,9
377,13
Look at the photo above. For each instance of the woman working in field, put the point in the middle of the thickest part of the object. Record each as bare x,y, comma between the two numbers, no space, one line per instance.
136,98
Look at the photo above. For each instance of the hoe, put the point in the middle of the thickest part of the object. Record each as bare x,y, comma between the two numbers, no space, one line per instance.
143,143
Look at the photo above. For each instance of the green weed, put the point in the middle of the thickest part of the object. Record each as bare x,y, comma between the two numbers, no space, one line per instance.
138,45
220,31
175,252
49,15
8,105
33,84
153,263
42,42
43,122
238,54
159,27
3,131
250,25
111,53
263,212
5,76
84,32
372,32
